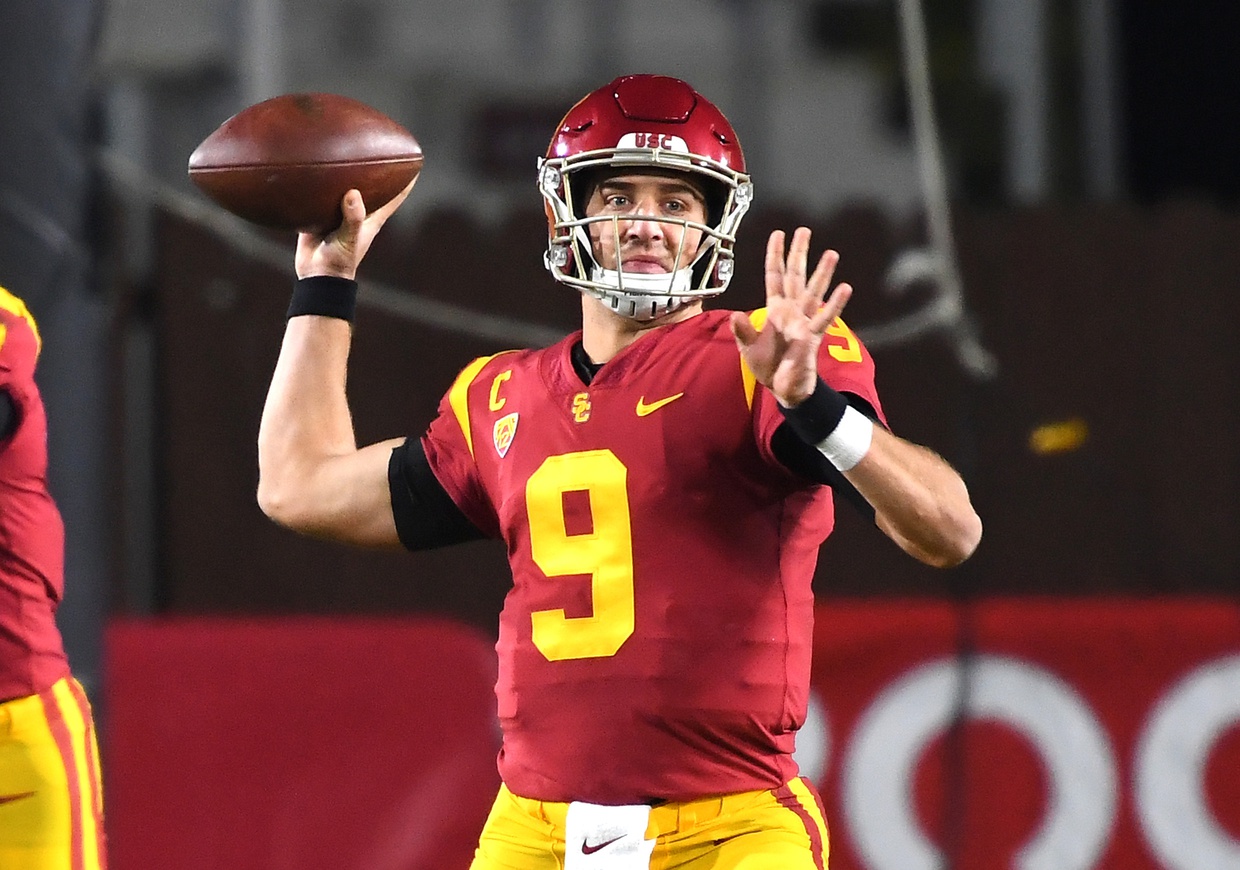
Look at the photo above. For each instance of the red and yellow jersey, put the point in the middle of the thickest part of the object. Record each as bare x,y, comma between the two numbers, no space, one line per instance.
32,537
656,640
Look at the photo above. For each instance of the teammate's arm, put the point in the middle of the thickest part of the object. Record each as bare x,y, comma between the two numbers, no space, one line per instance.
919,500
312,476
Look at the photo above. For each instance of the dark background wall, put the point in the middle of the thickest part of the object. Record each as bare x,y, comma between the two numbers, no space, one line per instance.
1181,69
1106,322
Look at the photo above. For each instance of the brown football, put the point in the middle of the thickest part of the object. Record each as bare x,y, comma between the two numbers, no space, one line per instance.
285,163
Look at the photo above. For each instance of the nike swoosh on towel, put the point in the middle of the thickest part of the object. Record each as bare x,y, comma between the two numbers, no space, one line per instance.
587,849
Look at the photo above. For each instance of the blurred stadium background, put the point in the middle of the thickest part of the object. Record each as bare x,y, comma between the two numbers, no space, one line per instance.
1060,325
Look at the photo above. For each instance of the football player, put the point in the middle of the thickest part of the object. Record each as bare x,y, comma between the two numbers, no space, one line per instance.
51,810
662,479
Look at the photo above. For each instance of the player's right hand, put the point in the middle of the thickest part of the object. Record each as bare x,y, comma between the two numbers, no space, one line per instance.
341,251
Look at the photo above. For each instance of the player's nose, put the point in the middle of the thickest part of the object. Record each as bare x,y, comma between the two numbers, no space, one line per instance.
644,226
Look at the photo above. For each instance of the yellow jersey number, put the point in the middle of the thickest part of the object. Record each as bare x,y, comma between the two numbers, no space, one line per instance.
606,553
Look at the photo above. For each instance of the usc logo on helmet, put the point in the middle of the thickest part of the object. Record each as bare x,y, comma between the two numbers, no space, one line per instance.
654,140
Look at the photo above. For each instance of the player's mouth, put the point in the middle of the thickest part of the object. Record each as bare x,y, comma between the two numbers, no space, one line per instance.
644,264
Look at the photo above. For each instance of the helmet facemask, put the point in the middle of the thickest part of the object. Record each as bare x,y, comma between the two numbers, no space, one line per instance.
566,183
641,296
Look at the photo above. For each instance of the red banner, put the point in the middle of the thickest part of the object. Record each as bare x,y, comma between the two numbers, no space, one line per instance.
1033,735
297,744
1058,734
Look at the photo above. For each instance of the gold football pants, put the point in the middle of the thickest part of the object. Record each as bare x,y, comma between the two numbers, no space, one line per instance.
51,806
772,829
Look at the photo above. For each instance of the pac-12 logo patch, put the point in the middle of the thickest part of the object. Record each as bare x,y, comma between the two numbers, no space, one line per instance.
503,432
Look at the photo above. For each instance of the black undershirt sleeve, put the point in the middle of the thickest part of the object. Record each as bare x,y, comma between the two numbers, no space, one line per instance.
806,461
426,517
8,415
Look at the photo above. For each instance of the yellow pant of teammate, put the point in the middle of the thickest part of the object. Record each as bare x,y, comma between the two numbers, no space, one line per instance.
51,806
780,829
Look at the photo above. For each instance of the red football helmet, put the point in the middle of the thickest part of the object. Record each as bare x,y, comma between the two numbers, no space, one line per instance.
643,121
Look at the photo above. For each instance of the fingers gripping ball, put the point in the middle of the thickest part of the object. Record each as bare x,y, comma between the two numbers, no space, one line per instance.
285,163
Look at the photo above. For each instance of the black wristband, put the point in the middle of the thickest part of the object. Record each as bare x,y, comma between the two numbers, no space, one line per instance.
816,418
324,295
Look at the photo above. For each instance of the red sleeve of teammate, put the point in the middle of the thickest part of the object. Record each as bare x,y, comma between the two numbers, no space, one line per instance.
31,532
19,348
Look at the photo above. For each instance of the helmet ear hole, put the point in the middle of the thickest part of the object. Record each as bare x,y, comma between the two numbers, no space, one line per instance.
716,202
583,183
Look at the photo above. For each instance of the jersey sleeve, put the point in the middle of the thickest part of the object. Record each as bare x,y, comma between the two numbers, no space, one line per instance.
847,366
449,445
843,362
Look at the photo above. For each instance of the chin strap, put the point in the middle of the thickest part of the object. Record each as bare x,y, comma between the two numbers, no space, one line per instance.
645,296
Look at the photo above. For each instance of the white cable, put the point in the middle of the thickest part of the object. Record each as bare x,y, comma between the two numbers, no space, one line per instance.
947,312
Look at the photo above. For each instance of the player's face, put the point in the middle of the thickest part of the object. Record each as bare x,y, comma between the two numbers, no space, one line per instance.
647,235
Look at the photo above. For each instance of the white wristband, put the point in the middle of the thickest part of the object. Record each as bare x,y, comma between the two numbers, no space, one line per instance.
849,441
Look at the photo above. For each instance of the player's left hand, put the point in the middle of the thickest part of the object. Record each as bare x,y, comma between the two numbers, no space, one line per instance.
340,252
784,354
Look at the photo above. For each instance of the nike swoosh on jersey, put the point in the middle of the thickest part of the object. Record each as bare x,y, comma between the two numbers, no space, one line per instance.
588,849
643,409
9,798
